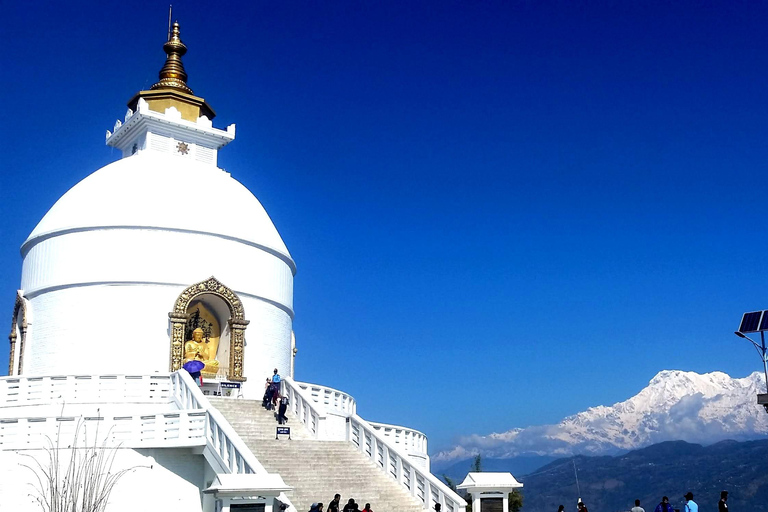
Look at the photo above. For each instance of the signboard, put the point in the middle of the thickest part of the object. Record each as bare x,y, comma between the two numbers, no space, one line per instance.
230,385
283,431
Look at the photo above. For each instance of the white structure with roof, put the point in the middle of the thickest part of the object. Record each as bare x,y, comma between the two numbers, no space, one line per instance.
159,260
490,490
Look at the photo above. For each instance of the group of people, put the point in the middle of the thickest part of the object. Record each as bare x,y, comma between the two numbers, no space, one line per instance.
333,506
689,504
273,397
664,505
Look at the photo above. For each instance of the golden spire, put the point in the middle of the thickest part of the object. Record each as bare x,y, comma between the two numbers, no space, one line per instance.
172,89
172,75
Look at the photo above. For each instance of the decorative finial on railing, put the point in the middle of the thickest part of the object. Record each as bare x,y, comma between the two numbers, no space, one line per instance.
172,75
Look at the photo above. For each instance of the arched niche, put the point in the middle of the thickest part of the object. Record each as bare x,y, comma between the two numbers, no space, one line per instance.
219,312
18,335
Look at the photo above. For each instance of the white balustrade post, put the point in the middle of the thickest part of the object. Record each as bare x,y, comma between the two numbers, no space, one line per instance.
185,427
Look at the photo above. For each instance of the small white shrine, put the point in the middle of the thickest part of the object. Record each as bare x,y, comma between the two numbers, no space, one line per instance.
490,491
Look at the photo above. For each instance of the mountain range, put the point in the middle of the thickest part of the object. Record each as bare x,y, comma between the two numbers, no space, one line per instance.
672,468
676,405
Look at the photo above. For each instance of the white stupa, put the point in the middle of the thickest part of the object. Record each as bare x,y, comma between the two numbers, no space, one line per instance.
161,232
162,261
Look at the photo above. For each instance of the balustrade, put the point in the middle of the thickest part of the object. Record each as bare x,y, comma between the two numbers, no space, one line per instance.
302,404
329,398
422,484
197,423
85,389
409,440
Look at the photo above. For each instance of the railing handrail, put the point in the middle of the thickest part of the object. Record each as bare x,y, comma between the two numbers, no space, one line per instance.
184,385
411,440
434,482
19,390
344,397
397,427
304,404
183,429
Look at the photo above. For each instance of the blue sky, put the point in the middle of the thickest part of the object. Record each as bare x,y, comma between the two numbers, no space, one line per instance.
502,212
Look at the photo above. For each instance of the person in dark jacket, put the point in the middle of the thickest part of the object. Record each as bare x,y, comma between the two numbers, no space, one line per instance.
722,505
561,508
664,506
351,506
333,506
281,410
268,396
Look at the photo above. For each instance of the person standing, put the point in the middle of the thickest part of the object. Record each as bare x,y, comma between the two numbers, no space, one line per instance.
367,508
637,507
664,506
690,505
561,508
582,507
281,410
333,506
722,505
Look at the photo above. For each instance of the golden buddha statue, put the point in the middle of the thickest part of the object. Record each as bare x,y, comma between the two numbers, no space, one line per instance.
200,350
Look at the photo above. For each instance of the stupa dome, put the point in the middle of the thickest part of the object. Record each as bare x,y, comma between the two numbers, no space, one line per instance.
137,255
162,192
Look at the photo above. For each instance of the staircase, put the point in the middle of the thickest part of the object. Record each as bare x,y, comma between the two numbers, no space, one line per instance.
315,469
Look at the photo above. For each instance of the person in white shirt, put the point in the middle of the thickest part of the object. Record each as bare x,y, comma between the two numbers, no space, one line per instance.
637,507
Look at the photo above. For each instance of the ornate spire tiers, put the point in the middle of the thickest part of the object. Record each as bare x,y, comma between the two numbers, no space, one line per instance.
172,89
168,117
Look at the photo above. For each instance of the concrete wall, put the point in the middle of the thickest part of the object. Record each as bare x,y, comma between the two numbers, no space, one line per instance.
162,479
100,300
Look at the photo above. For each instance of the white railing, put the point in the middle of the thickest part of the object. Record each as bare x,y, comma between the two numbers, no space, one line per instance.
174,429
407,439
387,446
302,404
331,399
225,445
422,484
23,391
195,423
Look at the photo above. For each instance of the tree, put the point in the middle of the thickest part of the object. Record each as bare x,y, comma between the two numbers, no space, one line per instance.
515,501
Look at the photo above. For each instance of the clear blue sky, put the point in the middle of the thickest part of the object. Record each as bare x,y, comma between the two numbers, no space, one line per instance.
519,208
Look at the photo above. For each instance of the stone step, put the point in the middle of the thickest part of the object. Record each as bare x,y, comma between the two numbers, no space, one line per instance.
315,469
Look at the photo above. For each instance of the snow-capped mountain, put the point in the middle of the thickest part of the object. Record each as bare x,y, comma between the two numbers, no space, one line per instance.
675,405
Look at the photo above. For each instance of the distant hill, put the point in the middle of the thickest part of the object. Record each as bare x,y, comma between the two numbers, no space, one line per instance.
672,468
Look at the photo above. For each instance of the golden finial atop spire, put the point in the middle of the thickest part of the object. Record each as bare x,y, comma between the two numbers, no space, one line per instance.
172,75
172,89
